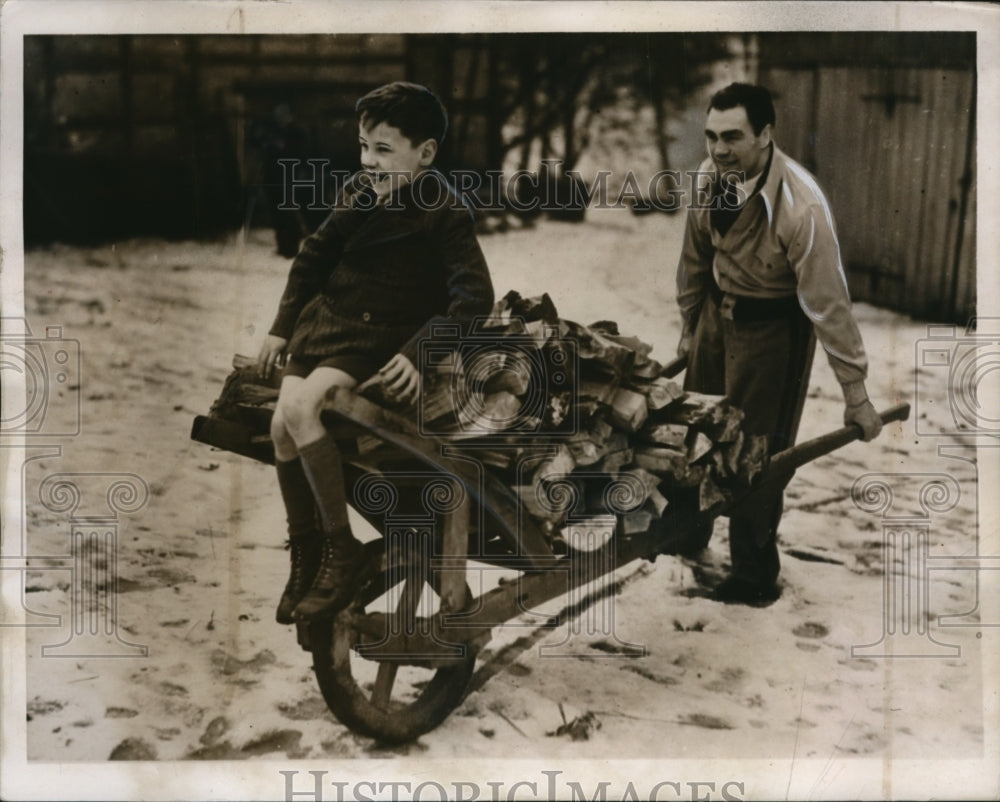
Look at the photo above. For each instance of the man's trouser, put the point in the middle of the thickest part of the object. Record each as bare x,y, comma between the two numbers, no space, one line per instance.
759,354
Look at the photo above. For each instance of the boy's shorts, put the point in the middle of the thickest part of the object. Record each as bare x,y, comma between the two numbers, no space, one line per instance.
358,366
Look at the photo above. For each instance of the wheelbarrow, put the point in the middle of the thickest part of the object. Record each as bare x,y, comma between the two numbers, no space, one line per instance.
400,657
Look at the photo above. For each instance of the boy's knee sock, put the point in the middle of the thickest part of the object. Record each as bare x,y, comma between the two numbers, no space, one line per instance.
325,472
300,503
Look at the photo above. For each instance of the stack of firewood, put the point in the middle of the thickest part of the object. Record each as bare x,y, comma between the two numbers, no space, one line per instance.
569,415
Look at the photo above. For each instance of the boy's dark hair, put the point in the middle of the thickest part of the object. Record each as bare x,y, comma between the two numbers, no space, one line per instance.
755,99
414,109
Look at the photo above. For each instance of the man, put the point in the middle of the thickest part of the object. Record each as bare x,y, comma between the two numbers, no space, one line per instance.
760,276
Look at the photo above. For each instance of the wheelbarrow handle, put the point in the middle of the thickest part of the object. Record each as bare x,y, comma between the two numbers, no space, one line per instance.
782,466
797,456
674,367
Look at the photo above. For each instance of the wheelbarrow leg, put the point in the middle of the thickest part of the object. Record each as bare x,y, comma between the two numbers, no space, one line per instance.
454,548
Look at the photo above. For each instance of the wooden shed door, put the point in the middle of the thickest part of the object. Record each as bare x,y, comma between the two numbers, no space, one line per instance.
893,152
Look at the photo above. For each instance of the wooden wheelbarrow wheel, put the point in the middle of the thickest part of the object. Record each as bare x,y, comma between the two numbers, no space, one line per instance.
392,709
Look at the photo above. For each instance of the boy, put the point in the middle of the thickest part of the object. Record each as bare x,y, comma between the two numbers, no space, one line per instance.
361,293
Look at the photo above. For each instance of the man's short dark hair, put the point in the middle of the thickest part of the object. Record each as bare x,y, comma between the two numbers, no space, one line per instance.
414,109
755,99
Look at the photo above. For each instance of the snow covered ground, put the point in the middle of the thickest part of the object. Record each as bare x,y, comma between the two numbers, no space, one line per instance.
200,565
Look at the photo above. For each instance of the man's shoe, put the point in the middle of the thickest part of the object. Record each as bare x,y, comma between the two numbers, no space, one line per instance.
336,580
735,590
306,553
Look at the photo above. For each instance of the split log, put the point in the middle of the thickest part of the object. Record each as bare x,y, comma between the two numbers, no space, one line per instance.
589,410
717,461
629,409
732,453
499,411
592,346
693,476
244,385
697,409
531,500
709,493
257,394
592,390
610,330
584,451
614,461
555,466
244,409
635,523
246,367
600,430
662,460
609,327
529,309
698,445
501,324
514,379
552,505
663,392
753,458
665,434
592,444
647,368
558,408
651,487
497,322
541,332
727,429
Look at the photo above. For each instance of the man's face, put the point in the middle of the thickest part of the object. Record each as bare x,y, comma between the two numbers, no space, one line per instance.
384,150
733,145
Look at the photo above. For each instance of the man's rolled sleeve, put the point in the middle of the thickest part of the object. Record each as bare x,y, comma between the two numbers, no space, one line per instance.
694,270
823,295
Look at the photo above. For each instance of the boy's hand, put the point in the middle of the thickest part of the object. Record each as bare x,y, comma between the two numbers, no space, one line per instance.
271,353
400,379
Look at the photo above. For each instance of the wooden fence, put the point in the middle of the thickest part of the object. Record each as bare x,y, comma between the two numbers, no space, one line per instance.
894,148
126,135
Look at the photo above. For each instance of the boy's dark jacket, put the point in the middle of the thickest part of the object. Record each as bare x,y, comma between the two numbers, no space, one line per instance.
372,282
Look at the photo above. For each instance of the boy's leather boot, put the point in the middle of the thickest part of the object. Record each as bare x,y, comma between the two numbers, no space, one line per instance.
336,579
306,555
304,542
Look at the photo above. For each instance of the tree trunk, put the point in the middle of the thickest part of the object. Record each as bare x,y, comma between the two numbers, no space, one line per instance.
662,141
